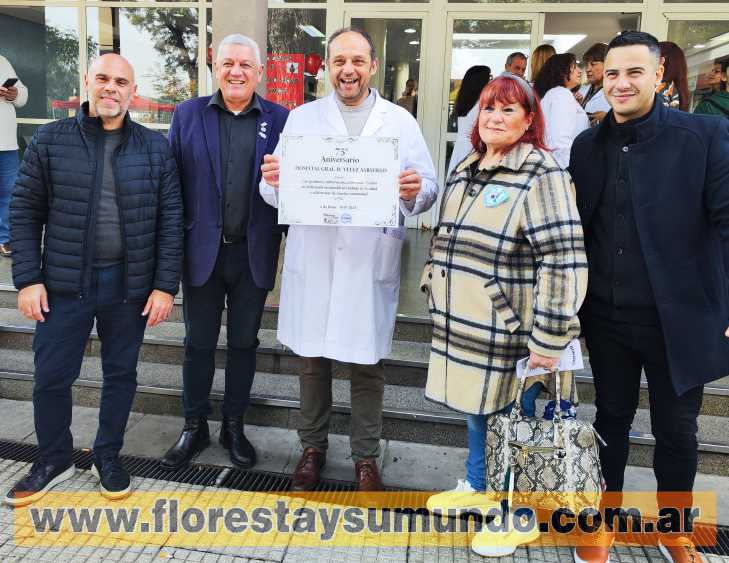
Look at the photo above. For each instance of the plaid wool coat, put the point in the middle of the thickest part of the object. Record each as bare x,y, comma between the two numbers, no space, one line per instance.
506,275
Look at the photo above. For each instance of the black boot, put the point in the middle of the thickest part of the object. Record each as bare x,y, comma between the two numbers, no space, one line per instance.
195,438
232,438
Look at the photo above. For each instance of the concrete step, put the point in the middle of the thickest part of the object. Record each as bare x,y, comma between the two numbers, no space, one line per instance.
406,365
412,328
407,415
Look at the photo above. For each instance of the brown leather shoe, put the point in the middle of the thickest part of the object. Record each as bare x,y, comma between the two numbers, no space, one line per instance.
5,250
681,550
368,476
599,552
308,470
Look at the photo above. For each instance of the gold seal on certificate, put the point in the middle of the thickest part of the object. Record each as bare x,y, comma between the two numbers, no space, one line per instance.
339,181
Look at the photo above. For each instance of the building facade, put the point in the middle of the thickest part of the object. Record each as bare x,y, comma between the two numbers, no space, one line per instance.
424,47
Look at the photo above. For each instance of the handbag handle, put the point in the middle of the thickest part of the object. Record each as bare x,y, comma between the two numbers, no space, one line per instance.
516,415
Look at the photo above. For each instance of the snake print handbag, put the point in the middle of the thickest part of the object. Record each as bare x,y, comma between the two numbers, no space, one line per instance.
558,458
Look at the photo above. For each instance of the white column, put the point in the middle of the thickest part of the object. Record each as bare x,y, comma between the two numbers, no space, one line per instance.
248,17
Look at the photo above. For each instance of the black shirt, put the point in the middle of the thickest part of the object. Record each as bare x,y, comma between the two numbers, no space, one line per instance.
108,248
237,153
619,287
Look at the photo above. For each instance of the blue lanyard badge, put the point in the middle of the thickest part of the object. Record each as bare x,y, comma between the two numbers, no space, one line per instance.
495,195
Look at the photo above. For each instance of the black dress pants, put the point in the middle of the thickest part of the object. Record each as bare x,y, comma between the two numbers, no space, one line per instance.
231,281
618,354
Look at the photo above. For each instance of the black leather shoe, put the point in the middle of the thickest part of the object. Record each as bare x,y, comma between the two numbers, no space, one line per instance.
41,479
195,438
232,438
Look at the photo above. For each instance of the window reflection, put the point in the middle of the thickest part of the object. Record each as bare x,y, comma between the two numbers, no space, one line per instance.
25,135
161,44
706,45
295,63
42,45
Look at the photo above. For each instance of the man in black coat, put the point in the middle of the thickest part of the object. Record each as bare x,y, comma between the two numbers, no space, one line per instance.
106,192
653,194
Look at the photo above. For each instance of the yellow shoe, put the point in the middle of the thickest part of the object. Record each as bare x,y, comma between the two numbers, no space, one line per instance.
493,543
464,498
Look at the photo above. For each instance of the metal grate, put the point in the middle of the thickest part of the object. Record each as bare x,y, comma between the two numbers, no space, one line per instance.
259,481
193,474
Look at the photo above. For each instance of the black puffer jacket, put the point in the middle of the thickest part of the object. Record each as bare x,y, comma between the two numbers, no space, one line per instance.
58,187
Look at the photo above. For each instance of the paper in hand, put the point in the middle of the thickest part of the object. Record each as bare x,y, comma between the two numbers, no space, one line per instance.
571,359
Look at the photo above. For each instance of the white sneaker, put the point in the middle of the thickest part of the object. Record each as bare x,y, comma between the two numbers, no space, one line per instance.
489,543
464,498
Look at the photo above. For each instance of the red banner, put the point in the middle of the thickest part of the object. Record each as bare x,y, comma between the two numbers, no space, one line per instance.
285,79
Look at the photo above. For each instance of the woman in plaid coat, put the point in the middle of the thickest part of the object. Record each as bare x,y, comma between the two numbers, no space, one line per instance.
506,275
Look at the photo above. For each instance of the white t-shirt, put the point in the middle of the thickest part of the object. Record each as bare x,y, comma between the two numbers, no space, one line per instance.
597,103
463,146
564,119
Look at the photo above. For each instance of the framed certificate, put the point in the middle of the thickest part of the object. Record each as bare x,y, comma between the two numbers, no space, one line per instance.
339,181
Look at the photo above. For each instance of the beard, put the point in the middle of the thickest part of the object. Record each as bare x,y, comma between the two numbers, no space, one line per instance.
103,111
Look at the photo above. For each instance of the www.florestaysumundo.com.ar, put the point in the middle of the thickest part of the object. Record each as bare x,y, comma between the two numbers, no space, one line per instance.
239,518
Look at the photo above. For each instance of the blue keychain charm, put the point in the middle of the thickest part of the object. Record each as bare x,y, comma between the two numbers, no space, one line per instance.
495,195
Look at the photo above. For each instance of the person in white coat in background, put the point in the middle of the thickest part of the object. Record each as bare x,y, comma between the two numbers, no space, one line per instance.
593,97
340,285
466,110
564,117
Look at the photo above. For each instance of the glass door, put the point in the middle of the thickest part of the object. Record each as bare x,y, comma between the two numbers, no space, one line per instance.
397,39
478,39
400,78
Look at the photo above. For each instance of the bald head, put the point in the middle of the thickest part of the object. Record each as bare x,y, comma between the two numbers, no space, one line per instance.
110,85
114,64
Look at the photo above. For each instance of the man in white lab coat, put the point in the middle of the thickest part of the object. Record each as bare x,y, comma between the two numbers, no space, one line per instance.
340,285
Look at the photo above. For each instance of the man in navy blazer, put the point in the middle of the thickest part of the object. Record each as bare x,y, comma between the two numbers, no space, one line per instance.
652,189
232,240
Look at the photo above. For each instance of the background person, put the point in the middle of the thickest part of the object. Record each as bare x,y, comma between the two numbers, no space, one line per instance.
11,99
486,311
516,63
716,79
564,118
718,103
673,88
593,96
466,110
540,56
409,98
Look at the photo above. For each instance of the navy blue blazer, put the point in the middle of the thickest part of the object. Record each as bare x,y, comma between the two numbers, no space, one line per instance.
195,141
679,171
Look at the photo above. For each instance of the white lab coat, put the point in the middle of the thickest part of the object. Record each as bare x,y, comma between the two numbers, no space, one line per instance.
340,285
564,119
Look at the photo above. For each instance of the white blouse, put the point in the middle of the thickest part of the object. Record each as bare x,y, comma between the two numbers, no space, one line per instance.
463,146
598,102
564,120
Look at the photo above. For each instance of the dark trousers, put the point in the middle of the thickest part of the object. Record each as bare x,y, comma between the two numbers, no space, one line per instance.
618,353
59,344
367,387
203,306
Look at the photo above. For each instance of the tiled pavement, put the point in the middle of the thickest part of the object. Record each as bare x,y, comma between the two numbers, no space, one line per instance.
101,548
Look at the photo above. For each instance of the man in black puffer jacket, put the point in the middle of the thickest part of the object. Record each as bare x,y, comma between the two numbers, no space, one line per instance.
106,191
